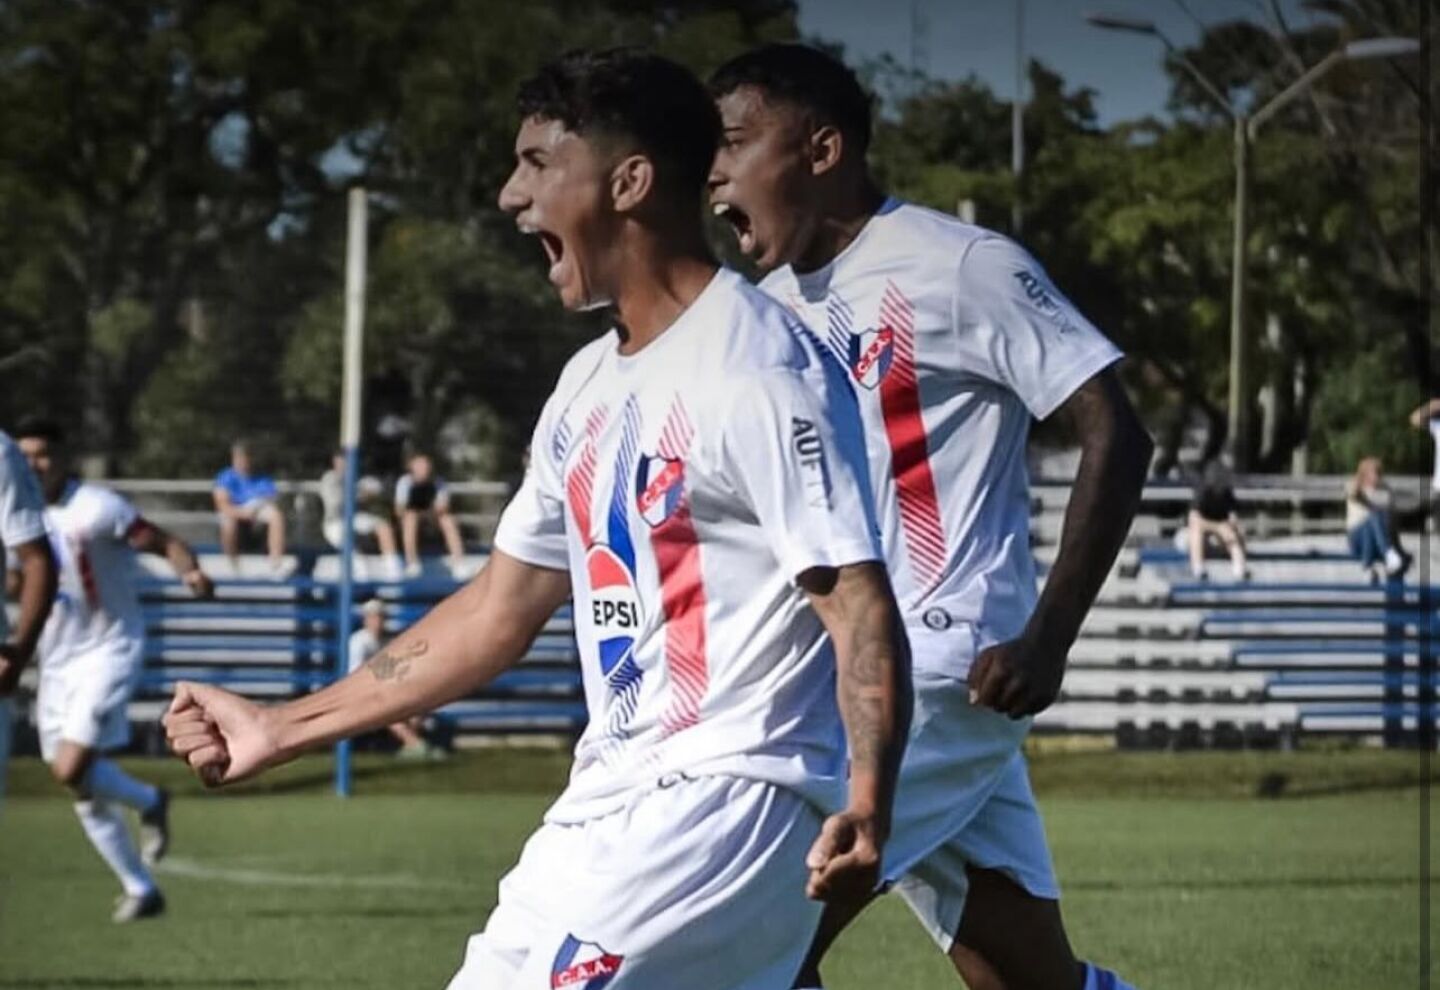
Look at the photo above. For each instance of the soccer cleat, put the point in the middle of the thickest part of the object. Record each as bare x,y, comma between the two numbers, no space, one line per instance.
155,830
134,907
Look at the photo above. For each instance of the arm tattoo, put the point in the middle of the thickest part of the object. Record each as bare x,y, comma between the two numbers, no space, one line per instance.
394,664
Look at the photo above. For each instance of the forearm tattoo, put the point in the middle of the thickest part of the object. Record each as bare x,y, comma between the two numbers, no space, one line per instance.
394,664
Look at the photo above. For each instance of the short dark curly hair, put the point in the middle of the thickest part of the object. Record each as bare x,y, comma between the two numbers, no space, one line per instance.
637,95
804,77
40,428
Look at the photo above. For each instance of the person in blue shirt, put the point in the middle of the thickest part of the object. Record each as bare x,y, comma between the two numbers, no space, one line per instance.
247,500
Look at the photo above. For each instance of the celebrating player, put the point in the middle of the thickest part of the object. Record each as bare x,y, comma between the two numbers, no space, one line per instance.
955,338
91,653
22,539
697,482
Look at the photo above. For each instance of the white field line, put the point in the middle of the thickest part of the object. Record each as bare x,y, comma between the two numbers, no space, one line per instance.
177,866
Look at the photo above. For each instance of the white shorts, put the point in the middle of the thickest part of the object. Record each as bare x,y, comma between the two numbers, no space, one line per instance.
365,525
699,885
964,796
85,701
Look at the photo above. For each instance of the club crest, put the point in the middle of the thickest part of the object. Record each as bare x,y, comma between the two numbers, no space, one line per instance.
614,605
583,966
659,486
871,354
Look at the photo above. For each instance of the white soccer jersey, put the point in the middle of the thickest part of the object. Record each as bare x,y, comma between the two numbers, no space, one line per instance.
97,606
955,338
22,508
684,487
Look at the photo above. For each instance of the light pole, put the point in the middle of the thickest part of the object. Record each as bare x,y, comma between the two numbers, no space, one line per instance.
1247,125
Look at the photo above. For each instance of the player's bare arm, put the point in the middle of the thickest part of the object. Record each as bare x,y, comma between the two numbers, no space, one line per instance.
146,537
1424,412
465,641
1023,676
872,660
35,577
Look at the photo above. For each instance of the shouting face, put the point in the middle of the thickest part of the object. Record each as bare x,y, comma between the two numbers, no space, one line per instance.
762,179
560,192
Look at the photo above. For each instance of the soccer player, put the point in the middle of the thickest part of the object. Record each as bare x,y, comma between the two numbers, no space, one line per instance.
91,654
955,339
23,541
697,483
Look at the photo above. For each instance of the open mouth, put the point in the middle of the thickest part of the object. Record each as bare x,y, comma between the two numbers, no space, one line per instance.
553,245
739,222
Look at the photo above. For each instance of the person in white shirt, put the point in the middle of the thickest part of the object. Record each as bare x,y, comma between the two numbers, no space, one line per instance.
91,657
697,483
30,577
955,339
332,499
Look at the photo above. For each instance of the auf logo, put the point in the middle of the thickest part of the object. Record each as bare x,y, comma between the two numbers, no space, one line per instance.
1038,294
810,449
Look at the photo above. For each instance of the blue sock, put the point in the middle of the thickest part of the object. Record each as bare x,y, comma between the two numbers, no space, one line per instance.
1102,979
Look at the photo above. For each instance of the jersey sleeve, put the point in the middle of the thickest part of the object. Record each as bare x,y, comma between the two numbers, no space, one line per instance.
22,509
532,527
795,453
117,518
1015,328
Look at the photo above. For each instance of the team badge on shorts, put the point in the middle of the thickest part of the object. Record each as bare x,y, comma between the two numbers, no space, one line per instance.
659,485
614,605
871,354
583,966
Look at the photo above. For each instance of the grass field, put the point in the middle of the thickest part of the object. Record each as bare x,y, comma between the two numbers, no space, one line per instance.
1175,873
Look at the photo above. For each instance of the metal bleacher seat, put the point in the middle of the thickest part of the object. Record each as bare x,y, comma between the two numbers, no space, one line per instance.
270,639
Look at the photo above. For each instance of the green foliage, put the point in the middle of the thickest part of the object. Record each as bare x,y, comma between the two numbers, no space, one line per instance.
172,195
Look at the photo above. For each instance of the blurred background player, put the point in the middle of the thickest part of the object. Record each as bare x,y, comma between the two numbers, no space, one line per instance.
367,641
332,498
245,500
955,338
419,494
27,552
91,655
697,481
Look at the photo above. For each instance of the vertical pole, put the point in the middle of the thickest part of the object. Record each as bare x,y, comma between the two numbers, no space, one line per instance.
1239,359
350,446
1017,120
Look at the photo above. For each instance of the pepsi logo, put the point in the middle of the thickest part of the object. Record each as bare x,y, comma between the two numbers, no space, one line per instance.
659,486
614,605
871,354
583,966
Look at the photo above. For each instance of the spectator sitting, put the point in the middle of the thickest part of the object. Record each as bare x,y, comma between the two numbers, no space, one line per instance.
420,492
246,500
1368,525
1213,512
332,496
367,641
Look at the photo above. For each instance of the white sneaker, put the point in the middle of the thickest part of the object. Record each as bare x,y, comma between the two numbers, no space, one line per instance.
414,570
133,907
1394,561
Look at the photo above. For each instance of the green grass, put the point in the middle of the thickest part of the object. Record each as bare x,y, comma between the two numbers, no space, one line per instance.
1173,874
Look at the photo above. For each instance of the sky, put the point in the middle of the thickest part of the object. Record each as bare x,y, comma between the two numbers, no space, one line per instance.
978,36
